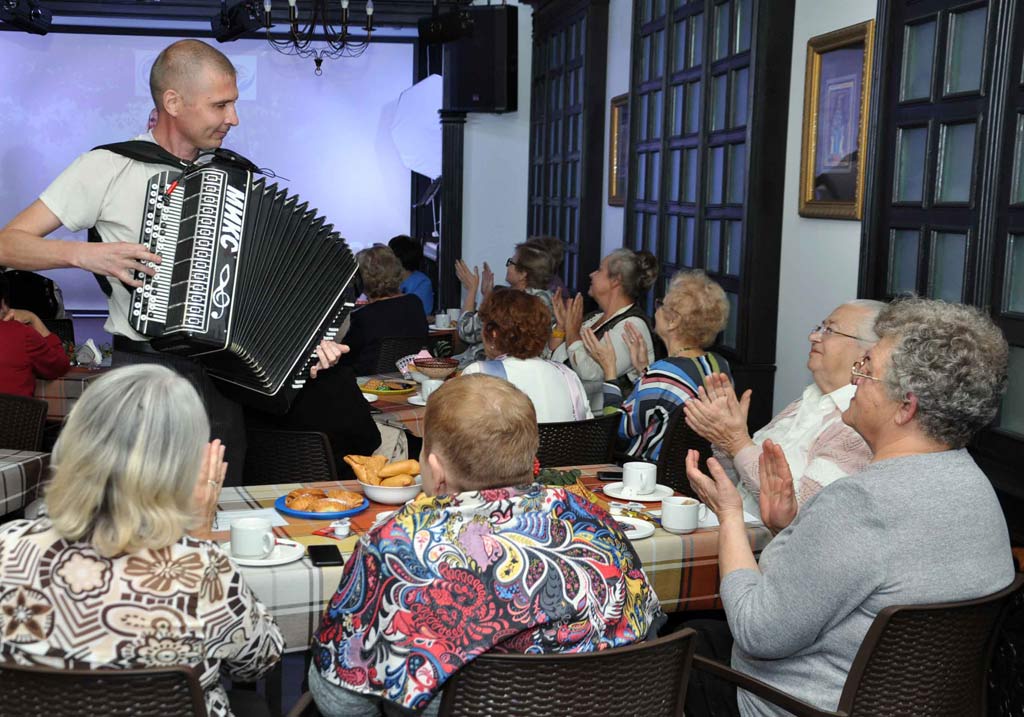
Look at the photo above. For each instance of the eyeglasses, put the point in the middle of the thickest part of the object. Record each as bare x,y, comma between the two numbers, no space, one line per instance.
858,370
827,331
511,261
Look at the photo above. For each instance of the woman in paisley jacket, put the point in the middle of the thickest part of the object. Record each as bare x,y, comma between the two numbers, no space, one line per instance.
483,560
112,579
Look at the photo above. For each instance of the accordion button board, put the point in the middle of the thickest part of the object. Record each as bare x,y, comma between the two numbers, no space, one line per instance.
251,280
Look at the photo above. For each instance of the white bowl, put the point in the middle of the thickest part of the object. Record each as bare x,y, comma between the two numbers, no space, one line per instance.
392,495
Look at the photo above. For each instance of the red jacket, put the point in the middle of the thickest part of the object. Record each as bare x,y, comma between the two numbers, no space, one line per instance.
25,355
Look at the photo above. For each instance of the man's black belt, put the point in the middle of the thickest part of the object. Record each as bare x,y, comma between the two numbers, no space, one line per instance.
139,347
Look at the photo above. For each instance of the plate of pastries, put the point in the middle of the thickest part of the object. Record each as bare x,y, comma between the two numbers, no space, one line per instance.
321,503
388,387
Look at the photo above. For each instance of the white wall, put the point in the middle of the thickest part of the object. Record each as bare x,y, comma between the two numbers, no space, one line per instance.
819,264
620,31
495,171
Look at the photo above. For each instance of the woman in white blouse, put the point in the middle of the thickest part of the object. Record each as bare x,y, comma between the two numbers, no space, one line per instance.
820,448
515,327
623,277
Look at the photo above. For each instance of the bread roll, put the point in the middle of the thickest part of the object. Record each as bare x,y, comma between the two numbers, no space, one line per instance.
350,499
398,481
409,467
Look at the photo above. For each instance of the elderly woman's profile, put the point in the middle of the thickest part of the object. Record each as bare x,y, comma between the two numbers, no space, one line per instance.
112,579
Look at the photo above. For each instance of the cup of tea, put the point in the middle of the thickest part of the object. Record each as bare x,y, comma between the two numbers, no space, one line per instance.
442,321
251,538
638,479
428,387
681,514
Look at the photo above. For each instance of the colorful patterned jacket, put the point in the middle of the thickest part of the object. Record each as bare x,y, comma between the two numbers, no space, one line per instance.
526,569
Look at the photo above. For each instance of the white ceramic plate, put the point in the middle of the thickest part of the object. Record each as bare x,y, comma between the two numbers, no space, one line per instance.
281,554
614,490
370,398
434,327
634,528
416,400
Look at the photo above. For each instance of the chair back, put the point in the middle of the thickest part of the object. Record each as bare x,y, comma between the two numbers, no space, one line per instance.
393,348
927,660
646,679
64,328
48,692
679,439
572,443
21,422
273,456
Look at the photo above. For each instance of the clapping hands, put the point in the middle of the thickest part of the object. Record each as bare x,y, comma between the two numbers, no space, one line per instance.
717,490
568,315
778,499
206,494
718,415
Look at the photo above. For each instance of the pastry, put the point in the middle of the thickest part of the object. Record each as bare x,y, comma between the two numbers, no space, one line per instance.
398,481
350,499
330,505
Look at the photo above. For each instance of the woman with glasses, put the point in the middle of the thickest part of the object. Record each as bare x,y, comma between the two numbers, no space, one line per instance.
689,318
819,447
528,269
919,525
616,285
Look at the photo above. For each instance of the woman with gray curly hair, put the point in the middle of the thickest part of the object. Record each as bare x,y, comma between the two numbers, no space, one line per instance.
893,534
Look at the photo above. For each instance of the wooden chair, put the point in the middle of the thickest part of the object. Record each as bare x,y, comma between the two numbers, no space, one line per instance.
48,692
646,679
572,443
393,348
921,660
273,456
679,439
22,420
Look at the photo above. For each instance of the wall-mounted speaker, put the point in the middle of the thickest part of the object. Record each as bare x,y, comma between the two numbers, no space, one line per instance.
481,72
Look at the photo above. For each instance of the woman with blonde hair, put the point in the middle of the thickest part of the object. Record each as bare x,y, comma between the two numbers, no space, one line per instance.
688,319
113,579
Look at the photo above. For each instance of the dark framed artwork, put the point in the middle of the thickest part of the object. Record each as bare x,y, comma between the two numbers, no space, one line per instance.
836,96
618,146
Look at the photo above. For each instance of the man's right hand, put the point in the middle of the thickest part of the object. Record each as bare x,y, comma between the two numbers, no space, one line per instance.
118,260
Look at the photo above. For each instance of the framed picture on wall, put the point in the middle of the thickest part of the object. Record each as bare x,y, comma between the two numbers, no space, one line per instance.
618,145
836,96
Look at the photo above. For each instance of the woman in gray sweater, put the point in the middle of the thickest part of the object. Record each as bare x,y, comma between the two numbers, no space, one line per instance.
920,524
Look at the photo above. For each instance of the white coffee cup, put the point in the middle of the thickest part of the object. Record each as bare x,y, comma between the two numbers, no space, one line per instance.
454,315
681,514
251,538
442,321
638,478
428,387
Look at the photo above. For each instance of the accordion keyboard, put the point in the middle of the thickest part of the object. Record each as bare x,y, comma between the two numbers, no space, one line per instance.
160,232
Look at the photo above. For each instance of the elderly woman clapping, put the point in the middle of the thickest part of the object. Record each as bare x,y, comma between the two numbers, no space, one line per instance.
819,447
112,579
894,533
688,320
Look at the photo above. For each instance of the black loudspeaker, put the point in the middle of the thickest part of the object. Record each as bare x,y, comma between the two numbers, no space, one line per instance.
481,72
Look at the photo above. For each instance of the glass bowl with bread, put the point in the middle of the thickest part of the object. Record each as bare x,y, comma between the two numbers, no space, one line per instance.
383,481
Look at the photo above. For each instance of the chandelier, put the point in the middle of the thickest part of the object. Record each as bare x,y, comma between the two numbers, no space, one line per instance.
331,42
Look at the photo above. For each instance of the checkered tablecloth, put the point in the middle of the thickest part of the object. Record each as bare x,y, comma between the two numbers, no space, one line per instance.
62,393
21,472
683,568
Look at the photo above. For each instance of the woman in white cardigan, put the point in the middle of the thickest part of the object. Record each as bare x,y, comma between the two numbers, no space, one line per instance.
515,329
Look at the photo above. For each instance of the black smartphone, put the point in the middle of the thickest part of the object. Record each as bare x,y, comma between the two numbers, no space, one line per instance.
325,555
610,474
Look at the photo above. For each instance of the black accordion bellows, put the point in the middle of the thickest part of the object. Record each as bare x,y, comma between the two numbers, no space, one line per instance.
251,281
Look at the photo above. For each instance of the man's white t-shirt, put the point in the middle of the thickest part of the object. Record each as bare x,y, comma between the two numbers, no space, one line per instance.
107,191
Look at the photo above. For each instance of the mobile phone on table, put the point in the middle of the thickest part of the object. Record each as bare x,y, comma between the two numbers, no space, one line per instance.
325,555
610,474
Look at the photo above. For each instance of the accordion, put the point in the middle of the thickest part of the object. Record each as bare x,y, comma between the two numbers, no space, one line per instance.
251,280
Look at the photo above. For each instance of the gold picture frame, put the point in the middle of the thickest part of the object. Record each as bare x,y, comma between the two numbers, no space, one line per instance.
618,146
837,92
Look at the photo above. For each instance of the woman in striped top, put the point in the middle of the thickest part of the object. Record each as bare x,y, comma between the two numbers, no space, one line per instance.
689,318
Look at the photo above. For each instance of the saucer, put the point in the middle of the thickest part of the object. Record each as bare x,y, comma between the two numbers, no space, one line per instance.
281,554
634,528
416,400
370,398
434,327
614,490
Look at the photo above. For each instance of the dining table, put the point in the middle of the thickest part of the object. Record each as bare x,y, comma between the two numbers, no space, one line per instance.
21,472
395,410
62,393
682,568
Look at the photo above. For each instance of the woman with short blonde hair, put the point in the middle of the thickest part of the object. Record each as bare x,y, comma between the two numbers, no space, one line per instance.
111,579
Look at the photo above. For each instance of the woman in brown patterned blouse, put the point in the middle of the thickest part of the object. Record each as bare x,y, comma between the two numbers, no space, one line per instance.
112,579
